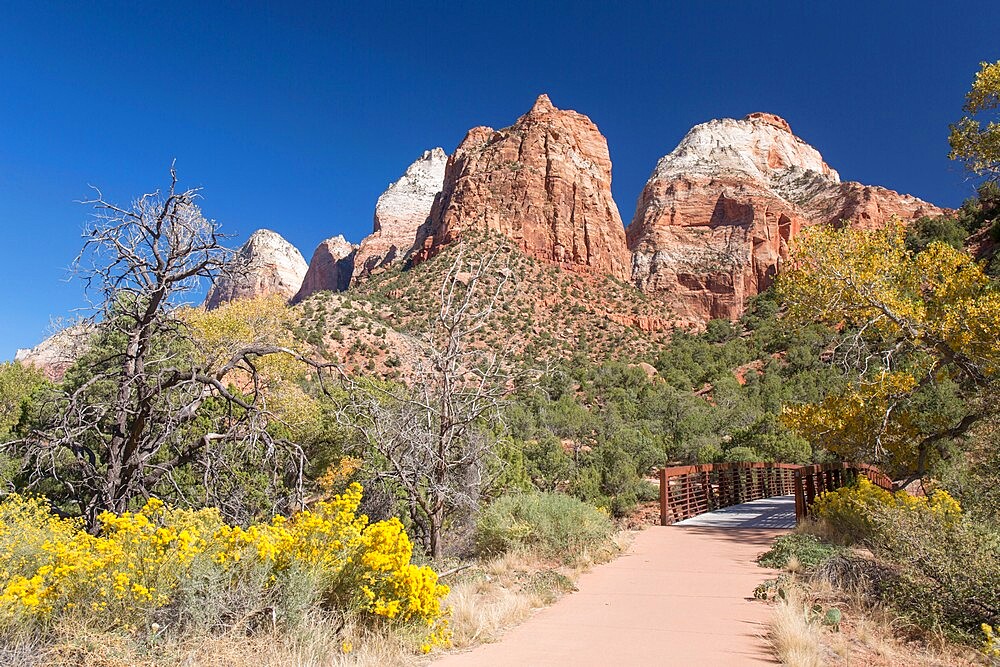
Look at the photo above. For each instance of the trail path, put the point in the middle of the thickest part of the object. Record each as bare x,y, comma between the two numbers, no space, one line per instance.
681,595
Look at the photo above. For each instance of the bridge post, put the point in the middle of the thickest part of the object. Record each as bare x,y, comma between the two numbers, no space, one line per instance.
706,485
800,496
686,495
663,496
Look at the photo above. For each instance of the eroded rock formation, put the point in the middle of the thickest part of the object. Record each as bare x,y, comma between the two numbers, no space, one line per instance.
330,268
267,264
54,355
714,220
399,213
544,182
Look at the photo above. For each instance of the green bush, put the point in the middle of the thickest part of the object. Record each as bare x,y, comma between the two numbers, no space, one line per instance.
925,231
553,525
949,571
741,455
808,549
944,563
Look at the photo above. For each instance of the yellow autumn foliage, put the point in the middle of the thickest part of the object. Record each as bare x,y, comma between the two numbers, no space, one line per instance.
913,320
867,278
973,139
265,320
140,563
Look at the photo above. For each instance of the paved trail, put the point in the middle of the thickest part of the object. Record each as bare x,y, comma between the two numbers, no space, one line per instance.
681,595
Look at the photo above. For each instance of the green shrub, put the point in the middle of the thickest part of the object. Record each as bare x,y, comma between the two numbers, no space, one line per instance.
949,570
944,563
554,525
808,549
740,454
925,231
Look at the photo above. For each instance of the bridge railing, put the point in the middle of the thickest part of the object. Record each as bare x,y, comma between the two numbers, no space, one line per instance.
687,491
810,481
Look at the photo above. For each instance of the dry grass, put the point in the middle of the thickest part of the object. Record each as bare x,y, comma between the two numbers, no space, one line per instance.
480,613
501,593
318,643
869,634
796,640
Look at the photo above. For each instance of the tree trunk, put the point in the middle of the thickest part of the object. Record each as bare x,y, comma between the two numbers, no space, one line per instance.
437,521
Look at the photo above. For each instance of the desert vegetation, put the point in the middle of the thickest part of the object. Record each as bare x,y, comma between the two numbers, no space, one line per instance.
370,476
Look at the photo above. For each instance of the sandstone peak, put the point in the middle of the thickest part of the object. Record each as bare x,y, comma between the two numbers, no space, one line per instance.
408,199
760,147
338,241
770,119
399,213
542,105
331,268
544,182
265,264
715,220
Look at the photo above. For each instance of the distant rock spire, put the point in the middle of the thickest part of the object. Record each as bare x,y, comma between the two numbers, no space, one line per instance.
272,266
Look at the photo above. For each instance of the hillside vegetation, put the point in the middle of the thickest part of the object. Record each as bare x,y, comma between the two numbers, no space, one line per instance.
304,482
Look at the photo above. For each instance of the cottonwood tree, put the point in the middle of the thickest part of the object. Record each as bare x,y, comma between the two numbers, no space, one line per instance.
972,141
921,339
435,439
143,403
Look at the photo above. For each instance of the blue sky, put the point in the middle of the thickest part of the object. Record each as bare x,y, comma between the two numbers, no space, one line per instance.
295,116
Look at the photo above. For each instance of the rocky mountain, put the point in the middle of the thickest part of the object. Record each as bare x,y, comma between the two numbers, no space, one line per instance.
331,268
54,355
399,213
267,264
715,218
544,182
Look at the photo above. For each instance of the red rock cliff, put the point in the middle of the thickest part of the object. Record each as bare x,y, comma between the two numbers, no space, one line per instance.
714,221
545,182
330,268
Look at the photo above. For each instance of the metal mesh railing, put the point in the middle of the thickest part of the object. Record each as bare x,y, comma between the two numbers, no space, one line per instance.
687,491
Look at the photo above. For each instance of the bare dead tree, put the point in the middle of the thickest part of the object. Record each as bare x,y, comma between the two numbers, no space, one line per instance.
436,438
143,403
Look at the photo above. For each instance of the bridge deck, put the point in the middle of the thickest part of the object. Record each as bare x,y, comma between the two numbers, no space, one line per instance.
778,512
681,595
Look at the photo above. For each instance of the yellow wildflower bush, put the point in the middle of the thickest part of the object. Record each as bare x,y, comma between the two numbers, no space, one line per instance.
991,642
142,565
854,511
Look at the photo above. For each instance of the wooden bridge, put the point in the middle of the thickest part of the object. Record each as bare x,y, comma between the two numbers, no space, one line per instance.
687,491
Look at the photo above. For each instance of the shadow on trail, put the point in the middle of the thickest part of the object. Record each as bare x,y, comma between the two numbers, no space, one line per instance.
772,513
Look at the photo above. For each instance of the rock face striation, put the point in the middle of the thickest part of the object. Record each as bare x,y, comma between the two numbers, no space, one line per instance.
400,211
715,219
331,268
268,264
544,182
